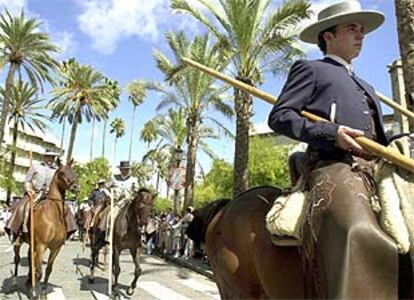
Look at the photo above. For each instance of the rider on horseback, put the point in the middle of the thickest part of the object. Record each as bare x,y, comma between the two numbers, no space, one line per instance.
36,185
98,200
346,253
124,187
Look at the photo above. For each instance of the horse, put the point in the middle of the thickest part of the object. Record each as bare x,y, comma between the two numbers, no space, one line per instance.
245,262
82,216
49,223
126,235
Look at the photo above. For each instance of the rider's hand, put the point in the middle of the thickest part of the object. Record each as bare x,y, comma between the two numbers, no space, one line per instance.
345,140
31,193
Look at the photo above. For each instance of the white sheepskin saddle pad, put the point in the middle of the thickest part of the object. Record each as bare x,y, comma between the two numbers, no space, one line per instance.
286,215
396,194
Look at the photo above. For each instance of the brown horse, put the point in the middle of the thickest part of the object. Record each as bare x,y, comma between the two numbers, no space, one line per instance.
82,216
126,235
49,222
246,264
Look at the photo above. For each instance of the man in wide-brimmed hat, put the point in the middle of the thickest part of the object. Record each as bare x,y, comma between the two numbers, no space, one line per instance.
36,184
124,186
346,254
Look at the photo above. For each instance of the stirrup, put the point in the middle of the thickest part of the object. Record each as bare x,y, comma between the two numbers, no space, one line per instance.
284,241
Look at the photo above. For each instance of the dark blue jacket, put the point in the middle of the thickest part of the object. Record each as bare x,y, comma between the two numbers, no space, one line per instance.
315,86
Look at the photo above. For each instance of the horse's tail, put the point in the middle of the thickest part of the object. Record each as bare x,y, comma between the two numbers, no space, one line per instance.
197,229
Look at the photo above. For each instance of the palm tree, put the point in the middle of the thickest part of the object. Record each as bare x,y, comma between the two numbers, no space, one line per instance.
25,111
194,91
257,40
170,132
405,19
92,139
82,92
24,47
118,128
137,93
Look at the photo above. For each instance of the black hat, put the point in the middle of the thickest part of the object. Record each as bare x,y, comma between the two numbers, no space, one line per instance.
124,165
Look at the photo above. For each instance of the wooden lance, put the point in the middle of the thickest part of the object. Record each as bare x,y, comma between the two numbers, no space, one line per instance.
368,144
31,205
111,243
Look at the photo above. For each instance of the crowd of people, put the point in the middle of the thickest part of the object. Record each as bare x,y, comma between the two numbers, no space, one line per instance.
165,234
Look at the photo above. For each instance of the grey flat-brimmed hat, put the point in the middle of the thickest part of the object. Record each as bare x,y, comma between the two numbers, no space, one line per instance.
341,13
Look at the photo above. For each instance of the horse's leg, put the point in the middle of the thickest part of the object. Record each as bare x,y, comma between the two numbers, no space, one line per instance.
52,256
116,269
38,255
16,249
94,259
105,253
138,270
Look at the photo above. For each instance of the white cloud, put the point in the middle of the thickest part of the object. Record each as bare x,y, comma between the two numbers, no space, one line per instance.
65,41
109,21
13,6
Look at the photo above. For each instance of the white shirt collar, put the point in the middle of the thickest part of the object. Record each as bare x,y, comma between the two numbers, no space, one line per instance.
342,62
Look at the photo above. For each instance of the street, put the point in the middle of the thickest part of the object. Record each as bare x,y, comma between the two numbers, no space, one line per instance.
69,278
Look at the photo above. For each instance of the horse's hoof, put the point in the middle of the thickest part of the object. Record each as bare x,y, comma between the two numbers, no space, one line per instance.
91,280
130,291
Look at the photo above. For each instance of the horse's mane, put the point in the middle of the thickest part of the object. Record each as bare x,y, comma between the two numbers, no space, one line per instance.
202,217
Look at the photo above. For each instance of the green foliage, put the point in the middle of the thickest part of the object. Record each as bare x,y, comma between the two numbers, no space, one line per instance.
267,166
218,183
267,163
162,205
88,175
142,172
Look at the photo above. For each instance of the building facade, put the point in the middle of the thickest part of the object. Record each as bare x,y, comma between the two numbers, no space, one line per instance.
28,140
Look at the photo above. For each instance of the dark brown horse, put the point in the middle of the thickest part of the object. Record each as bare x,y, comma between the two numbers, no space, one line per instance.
82,218
126,235
50,230
245,262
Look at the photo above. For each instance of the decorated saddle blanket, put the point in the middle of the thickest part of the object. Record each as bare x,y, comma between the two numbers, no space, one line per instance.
395,190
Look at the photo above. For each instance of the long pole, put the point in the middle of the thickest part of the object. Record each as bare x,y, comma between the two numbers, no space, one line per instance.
32,258
111,232
369,145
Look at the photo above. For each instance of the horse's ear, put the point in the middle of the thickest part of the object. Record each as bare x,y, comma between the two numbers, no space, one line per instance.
58,162
71,162
154,196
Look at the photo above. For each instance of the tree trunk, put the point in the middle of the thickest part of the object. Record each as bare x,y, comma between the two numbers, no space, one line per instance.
190,169
7,93
12,159
132,132
92,139
114,153
243,108
73,134
405,22
104,137
157,183
62,137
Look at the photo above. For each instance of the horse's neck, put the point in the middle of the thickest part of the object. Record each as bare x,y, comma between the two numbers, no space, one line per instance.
131,213
55,192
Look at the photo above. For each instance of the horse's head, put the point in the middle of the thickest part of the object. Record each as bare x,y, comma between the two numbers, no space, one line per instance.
197,229
66,177
143,203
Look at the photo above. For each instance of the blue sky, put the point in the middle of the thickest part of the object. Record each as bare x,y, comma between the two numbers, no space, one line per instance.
117,37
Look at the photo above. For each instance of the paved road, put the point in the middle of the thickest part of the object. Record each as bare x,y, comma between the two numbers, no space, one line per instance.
69,279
